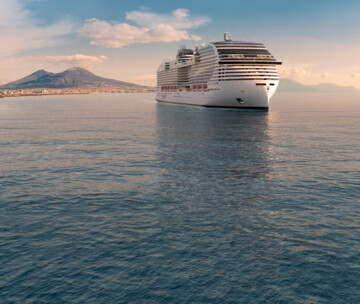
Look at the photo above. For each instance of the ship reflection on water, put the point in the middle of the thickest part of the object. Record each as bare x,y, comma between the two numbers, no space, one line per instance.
211,149
108,197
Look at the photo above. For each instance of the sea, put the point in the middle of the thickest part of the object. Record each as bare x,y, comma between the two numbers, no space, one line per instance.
114,198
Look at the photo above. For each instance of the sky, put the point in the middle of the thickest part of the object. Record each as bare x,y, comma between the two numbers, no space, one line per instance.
318,41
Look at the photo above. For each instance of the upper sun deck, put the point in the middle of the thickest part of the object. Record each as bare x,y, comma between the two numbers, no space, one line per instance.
184,57
226,52
235,52
184,54
229,43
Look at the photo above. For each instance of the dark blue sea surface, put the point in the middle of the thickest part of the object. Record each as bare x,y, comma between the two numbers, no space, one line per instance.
114,198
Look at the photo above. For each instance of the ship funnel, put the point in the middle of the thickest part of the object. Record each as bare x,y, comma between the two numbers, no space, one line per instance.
227,37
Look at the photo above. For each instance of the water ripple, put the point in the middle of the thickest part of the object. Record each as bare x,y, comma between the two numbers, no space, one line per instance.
115,199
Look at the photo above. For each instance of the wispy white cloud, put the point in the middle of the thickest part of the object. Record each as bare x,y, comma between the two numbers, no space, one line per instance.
353,68
70,60
311,74
21,32
304,70
326,75
354,75
294,71
149,27
178,19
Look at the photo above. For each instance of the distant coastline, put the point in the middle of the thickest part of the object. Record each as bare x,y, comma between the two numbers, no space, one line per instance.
47,92
72,81
80,81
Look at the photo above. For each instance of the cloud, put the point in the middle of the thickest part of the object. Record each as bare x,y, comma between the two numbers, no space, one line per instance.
12,14
288,71
71,60
302,71
326,74
354,75
313,74
21,32
179,19
353,69
149,27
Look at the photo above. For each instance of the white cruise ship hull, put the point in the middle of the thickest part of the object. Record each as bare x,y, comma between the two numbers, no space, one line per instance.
229,74
227,94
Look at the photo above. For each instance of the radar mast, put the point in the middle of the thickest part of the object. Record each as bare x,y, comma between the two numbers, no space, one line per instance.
227,36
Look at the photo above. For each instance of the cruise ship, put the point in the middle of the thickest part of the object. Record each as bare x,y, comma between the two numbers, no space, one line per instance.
235,74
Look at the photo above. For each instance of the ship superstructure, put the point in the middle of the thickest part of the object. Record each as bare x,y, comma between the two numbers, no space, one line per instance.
221,74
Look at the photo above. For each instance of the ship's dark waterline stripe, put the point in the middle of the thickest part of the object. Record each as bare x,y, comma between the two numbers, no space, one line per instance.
210,106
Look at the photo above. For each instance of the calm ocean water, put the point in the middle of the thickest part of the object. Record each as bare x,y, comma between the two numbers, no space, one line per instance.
116,199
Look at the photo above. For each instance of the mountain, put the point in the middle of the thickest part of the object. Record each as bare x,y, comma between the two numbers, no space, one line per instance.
72,78
83,79
289,85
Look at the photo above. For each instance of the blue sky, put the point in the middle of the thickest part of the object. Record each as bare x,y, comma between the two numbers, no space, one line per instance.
318,40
